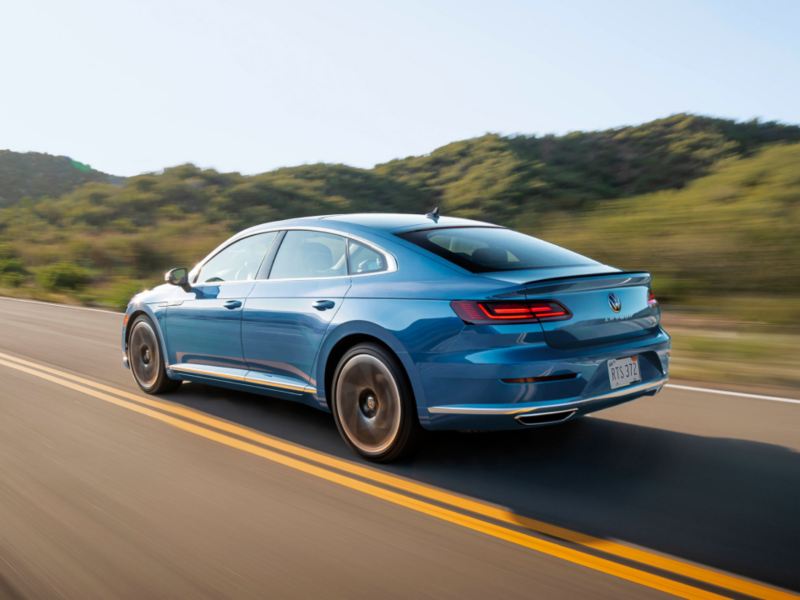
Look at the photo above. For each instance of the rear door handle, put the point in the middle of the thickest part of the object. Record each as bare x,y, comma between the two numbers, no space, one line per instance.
324,304
231,304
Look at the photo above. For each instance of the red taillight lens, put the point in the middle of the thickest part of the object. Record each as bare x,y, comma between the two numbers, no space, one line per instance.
651,298
509,312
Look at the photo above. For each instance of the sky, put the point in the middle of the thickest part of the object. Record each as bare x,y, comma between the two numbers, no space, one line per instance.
136,86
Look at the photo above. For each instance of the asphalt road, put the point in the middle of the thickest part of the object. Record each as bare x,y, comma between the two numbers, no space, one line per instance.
213,493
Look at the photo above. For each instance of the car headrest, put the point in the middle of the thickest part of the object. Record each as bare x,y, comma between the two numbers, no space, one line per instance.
490,257
317,258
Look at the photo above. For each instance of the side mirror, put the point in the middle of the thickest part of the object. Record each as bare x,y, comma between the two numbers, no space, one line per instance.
180,277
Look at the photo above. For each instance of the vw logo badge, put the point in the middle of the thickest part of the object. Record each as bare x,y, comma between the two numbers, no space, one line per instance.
614,302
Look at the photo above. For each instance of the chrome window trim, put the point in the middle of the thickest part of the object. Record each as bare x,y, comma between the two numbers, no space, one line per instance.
391,261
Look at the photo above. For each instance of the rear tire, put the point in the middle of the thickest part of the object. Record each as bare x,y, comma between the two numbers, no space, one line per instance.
145,360
373,405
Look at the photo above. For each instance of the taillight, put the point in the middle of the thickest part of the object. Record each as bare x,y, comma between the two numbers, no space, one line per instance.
651,298
521,311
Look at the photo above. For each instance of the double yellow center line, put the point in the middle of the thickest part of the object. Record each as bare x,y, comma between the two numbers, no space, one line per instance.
639,566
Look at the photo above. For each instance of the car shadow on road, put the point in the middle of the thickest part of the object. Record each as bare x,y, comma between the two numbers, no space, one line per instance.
726,503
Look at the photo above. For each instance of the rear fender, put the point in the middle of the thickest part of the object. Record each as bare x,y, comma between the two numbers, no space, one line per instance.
337,333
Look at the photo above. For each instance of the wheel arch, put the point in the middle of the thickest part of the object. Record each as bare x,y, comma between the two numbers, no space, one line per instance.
345,338
157,325
131,320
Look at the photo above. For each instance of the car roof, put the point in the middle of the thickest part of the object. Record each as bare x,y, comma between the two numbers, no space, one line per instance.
389,222
400,221
379,223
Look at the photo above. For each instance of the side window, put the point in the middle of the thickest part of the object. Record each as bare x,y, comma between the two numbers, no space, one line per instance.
239,261
310,254
363,259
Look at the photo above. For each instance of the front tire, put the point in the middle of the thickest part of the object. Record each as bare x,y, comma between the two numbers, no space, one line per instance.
373,406
144,358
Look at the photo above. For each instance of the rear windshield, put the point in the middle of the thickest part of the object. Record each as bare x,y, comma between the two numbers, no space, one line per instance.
485,249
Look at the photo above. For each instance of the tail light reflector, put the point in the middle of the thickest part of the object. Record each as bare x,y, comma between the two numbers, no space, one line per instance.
651,298
541,378
514,311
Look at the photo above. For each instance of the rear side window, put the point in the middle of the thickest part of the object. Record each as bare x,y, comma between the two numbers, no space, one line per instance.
486,249
363,259
306,254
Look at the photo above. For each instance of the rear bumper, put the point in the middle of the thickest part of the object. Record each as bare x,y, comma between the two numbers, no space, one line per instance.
482,392
567,405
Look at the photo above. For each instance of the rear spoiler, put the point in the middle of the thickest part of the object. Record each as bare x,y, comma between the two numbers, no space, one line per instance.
579,283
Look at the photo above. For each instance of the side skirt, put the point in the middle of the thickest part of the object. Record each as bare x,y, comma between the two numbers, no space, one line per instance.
246,380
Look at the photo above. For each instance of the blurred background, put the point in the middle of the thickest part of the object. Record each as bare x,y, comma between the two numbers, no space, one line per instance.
654,136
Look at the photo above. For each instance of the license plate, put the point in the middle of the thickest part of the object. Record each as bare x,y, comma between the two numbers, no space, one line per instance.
623,371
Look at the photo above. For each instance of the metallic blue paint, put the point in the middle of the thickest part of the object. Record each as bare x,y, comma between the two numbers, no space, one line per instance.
277,342
283,330
204,326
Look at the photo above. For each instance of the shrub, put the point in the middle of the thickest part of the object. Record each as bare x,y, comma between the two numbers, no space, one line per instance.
63,276
12,272
118,295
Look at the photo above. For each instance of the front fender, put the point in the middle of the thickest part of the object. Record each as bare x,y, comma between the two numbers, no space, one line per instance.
156,311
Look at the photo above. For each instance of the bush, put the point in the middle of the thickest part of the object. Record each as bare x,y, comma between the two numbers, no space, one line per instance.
118,295
12,272
63,276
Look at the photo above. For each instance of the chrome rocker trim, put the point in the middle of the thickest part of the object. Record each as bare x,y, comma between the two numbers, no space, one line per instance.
546,406
241,376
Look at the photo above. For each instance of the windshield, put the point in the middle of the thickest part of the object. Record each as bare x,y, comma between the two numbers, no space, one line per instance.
485,249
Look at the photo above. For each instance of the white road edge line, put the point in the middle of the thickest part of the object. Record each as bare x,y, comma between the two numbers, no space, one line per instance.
73,307
692,388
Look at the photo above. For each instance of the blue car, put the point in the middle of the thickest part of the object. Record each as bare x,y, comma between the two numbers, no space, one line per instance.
399,323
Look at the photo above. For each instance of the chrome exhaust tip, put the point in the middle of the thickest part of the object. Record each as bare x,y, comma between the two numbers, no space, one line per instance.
546,418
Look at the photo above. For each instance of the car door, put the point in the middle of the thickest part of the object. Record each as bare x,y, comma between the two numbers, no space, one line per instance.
203,326
286,315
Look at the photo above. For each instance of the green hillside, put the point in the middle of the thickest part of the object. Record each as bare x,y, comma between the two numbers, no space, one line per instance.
733,232
33,174
506,176
709,205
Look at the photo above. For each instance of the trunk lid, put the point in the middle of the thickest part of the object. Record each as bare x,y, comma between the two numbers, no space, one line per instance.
606,307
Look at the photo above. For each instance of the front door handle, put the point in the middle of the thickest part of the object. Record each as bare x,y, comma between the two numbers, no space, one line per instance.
231,304
324,304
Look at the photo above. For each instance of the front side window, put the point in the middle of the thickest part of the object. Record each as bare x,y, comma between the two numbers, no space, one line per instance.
486,249
306,254
238,262
363,259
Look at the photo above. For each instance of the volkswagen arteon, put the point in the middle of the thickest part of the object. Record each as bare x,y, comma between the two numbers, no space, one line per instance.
399,323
